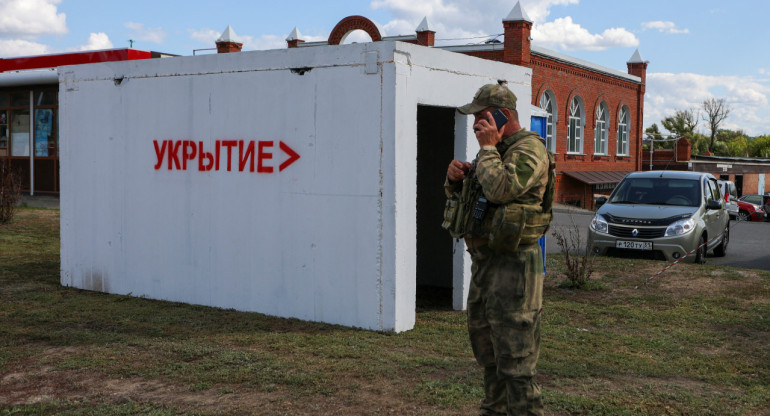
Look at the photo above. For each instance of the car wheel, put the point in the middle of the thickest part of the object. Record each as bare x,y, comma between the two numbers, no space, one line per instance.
721,249
700,254
743,216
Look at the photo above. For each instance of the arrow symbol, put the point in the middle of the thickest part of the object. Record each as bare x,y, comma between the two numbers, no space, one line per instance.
293,156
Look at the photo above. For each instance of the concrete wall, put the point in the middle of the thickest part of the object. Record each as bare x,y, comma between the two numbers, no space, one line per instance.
327,237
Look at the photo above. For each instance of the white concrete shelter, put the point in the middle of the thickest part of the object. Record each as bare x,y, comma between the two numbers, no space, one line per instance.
338,222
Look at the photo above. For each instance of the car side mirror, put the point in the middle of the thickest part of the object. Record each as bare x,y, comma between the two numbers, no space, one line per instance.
601,201
714,204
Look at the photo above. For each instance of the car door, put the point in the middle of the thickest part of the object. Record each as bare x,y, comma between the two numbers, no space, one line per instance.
714,218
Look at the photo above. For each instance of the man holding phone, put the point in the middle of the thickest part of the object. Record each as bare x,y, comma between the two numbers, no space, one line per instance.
512,170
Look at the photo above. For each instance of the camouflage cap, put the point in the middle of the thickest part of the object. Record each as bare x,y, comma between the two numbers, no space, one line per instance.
490,95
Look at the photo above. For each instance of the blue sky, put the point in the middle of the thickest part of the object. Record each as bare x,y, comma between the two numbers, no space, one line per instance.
697,48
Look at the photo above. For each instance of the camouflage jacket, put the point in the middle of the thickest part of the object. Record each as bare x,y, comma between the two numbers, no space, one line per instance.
520,175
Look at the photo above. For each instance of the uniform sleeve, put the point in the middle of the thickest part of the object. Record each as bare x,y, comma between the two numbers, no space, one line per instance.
507,178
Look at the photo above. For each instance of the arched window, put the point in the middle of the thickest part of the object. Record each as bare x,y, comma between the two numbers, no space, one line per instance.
575,126
600,133
548,103
623,124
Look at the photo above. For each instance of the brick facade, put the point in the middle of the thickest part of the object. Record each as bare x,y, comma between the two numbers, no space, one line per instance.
562,78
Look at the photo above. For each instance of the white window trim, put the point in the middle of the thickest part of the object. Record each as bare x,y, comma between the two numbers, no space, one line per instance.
576,105
624,119
603,120
549,98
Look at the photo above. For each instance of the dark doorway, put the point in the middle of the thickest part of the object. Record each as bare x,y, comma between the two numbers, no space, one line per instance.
739,184
435,149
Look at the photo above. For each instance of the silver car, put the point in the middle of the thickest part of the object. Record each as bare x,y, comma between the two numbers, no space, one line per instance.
668,214
730,193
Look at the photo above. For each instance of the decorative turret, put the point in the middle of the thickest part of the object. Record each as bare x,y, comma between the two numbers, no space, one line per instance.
516,45
227,42
294,38
638,66
426,36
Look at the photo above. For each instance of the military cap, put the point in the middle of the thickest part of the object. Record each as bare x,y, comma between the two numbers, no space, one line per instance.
490,95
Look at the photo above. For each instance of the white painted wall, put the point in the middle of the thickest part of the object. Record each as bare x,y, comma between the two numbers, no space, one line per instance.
330,238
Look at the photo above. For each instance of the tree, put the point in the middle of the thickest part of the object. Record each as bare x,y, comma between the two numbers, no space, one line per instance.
760,147
682,123
653,134
736,142
715,112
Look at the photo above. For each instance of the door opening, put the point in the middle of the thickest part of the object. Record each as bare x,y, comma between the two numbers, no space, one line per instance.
435,149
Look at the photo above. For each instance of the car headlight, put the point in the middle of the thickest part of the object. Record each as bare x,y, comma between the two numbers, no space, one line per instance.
599,224
680,227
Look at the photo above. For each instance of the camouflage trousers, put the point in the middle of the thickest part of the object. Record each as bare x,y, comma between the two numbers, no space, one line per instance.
504,306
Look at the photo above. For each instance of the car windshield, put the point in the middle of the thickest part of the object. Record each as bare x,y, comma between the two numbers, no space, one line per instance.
657,191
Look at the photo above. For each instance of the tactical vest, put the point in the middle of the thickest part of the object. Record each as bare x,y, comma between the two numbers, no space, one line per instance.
507,226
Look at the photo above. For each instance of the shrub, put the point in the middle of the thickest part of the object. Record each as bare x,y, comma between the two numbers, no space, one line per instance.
578,261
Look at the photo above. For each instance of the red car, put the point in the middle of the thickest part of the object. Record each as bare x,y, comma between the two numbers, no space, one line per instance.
763,201
749,212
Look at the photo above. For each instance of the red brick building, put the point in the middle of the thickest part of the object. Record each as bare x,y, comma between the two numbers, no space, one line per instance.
595,114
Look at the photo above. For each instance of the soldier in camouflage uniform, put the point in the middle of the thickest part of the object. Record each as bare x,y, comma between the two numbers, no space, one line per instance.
505,297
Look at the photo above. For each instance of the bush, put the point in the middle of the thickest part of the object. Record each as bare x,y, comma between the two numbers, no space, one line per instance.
10,191
577,258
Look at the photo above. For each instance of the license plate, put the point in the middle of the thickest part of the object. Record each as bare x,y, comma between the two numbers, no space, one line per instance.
634,245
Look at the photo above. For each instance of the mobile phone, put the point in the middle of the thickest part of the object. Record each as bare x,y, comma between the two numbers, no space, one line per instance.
500,118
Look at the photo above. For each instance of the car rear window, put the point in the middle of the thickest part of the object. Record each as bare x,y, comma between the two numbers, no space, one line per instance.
657,191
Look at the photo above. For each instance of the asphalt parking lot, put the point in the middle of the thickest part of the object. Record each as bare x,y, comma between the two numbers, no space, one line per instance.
749,241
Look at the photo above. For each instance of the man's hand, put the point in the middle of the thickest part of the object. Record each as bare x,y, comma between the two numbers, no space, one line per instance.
486,130
457,170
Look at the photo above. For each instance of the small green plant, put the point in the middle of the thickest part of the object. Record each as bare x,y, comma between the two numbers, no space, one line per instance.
10,191
578,261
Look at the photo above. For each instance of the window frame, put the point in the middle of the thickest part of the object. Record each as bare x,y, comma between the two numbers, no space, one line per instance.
624,122
548,99
575,126
601,136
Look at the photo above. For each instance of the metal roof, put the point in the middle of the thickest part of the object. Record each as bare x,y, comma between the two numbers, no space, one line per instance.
596,177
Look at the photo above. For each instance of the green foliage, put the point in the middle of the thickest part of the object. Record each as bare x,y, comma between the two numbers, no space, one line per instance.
653,133
700,144
760,147
682,123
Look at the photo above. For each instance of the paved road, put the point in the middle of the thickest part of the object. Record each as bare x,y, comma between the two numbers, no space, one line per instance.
749,241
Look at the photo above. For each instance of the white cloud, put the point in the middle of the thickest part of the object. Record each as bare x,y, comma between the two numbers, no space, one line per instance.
30,18
17,47
96,41
206,36
748,98
146,34
566,34
664,27
467,21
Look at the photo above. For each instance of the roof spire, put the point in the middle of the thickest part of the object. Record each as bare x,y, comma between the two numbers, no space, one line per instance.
636,58
294,35
424,26
517,14
228,35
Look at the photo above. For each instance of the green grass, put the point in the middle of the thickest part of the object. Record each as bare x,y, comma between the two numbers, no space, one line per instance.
694,340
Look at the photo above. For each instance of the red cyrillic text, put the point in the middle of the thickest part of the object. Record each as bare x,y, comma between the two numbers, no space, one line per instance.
243,155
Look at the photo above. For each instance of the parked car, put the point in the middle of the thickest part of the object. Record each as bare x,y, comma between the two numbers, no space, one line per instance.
730,193
759,203
672,214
